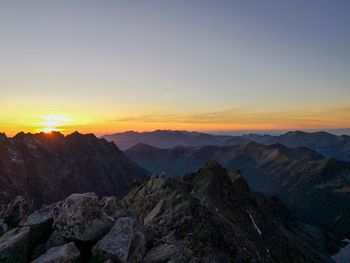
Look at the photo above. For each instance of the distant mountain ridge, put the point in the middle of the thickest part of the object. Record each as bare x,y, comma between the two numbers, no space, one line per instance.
48,167
325,143
170,138
315,188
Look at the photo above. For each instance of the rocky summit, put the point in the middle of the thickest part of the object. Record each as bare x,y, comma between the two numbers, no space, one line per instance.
206,216
315,188
48,167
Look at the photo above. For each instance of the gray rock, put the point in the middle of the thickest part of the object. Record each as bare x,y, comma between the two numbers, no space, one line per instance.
112,208
67,253
116,244
138,247
79,217
40,223
41,216
155,211
55,240
14,245
16,211
3,227
167,250
109,205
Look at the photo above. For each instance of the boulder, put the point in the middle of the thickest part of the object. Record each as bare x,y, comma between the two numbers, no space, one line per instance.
55,240
40,223
16,211
79,217
155,211
41,216
112,208
168,250
117,244
138,246
14,245
3,227
67,253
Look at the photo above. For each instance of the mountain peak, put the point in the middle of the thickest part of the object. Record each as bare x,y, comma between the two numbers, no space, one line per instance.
217,219
76,161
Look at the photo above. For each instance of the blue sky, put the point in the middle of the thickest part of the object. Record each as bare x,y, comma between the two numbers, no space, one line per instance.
119,62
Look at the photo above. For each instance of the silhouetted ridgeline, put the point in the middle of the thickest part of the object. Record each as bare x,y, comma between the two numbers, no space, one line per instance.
325,143
48,167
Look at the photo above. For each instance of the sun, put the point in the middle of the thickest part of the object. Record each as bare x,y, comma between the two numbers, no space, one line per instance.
48,130
52,123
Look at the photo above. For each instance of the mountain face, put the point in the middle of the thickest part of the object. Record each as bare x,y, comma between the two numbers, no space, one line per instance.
316,189
169,138
48,167
325,143
207,216
212,216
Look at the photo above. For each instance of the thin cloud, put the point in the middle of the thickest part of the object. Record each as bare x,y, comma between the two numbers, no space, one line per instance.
308,117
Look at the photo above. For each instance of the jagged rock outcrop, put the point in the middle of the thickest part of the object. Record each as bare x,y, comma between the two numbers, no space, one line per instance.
211,215
46,168
315,188
207,216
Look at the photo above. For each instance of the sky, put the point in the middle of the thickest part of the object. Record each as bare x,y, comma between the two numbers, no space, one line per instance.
109,66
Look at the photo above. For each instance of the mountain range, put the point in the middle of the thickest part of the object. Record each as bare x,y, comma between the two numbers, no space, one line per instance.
47,167
297,210
325,143
315,188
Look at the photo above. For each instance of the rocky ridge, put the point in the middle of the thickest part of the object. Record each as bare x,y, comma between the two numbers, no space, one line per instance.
315,188
207,216
46,168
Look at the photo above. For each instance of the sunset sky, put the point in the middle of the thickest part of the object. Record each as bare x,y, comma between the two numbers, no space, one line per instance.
109,66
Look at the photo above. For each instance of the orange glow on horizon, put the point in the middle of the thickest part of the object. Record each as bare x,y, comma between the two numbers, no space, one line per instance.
217,121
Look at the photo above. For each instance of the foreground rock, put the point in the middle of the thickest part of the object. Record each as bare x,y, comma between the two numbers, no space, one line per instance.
116,245
67,253
79,217
15,211
14,245
206,216
212,216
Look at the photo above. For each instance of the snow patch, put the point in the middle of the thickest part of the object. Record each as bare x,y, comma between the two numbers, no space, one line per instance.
14,156
255,225
32,146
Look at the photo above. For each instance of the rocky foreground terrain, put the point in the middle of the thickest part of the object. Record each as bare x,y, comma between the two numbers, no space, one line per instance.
206,216
48,167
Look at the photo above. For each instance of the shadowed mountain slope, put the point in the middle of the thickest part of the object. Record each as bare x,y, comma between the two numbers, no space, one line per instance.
48,167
